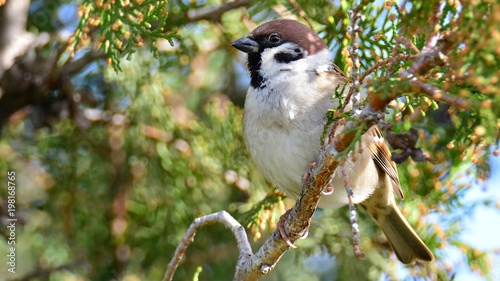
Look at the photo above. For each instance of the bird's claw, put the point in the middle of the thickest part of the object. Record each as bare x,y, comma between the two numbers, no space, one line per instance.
305,177
281,230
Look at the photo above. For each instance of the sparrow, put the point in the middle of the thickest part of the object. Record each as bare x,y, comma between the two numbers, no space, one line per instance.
292,81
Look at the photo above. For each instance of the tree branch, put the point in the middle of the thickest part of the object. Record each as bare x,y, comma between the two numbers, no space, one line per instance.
435,93
433,54
354,30
220,217
26,82
353,216
13,36
389,60
77,65
214,13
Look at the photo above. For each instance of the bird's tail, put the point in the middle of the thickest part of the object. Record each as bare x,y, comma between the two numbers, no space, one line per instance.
403,239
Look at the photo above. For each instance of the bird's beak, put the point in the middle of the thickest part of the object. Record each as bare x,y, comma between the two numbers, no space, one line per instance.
246,45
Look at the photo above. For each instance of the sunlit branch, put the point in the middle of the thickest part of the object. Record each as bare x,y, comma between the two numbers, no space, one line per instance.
219,217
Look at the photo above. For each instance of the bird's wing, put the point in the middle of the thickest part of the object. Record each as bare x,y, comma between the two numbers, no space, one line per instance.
382,156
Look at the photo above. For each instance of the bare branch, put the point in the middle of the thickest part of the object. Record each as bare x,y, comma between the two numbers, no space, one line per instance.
354,30
358,252
26,83
77,65
13,36
13,19
214,13
220,217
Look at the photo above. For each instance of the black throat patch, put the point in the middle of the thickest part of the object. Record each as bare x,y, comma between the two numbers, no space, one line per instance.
254,64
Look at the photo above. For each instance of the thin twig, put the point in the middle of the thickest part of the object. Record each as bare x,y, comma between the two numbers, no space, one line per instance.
356,240
14,39
435,93
220,217
75,66
390,69
390,60
408,44
354,30
433,21
301,12
434,53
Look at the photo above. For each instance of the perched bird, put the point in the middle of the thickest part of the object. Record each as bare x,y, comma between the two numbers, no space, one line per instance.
292,81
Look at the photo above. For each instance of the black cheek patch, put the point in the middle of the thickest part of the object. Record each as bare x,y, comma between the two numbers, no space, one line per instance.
288,57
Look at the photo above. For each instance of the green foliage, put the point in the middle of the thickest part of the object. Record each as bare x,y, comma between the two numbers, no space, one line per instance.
263,213
121,27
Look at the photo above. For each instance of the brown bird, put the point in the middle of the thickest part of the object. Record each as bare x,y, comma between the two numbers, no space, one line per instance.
292,82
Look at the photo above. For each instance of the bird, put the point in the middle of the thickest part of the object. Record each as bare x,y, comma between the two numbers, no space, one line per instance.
292,81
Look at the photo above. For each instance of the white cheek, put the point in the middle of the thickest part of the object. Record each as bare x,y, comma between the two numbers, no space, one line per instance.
269,65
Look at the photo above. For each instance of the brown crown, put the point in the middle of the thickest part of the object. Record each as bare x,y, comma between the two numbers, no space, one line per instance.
293,31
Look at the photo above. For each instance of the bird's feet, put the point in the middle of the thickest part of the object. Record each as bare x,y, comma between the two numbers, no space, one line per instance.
305,177
281,229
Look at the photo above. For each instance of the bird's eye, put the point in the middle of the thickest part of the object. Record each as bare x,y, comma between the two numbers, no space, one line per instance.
274,38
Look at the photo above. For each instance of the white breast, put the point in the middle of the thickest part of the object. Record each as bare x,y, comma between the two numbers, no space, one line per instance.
280,141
